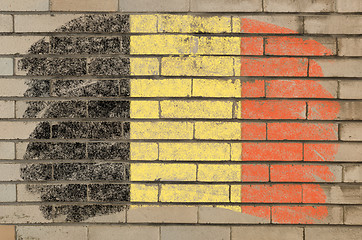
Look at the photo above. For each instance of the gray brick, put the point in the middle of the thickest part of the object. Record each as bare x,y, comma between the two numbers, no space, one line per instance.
154,5
339,67
126,232
351,132
7,192
9,172
52,232
333,233
336,194
84,5
267,233
226,6
352,215
19,130
6,23
20,5
349,6
13,87
22,214
6,66
352,173
350,46
194,233
17,44
41,23
351,89
299,5
162,214
7,150
7,109
337,24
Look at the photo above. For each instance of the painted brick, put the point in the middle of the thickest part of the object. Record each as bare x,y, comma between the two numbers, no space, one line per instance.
194,232
162,130
305,173
352,215
145,109
7,232
154,6
272,151
162,214
352,173
300,46
227,215
143,151
299,6
216,88
22,214
279,193
350,46
18,130
10,172
84,5
341,24
163,172
326,110
144,193
252,88
254,173
336,67
302,131
273,109
349,6
41,23
6,66
351,132
226,6
332,233
219,173
343,152
301,89
267,233
53,232
18,5
7,109
7,150
127,232
336,194
7,192
6,23
350,89
161,88
275,24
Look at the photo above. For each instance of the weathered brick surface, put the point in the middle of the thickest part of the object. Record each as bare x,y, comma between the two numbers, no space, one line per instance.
7,193
6,23
154,6
349,47
332,233
352,173
342,24
267,233
127,232
51,232
194,233
226,6
299,6
6,66
84,5
18,5
351,132
349,6
353,215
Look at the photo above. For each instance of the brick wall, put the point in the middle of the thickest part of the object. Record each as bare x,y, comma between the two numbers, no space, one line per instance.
180,119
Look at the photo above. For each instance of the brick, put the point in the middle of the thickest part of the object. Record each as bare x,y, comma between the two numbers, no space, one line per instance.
279,193
333,110
13,87
41,23
144,66
10,172
22,214
53,232
154,6
145,109
127,232
143,151
194,151
6,66
336,194
351,89
352,173
7,109
299,6
273,109
301,89
272,151
7,150
219,173
332,233
236,150
18,130
216,88
350,46
144,193
335,68
196,109
286,67
84,5
194,193
7,232
194,232
6,23
307,215
7,192
160,88
254,173
162,130
17,44
351,132
162,172
302,131
343,152
199,66
228,215
267,24
143,23
305,173
18,5
253,88
352,215
349,6
226,6
267,233
162,214
300,46
337,24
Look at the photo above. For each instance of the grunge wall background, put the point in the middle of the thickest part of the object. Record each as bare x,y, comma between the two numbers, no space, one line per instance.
180,119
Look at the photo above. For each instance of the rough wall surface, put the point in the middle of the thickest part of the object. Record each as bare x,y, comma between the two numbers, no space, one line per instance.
180,119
